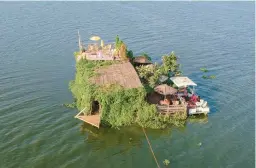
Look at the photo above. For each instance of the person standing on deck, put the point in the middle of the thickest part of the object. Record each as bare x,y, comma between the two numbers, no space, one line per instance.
185,92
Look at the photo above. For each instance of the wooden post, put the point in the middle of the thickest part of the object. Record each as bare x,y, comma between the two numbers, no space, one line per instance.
79,113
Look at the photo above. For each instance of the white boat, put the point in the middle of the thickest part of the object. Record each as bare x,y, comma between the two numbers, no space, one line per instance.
183,82
201,108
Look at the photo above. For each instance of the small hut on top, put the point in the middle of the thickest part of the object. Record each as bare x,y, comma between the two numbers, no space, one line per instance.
141,60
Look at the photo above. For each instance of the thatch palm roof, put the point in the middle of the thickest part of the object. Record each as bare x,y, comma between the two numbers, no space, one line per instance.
142,60
165,89
123,74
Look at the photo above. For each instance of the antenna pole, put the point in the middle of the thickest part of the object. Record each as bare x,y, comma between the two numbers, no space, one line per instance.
79,41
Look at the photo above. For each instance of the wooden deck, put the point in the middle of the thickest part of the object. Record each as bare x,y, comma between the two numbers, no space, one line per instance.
91,119
101,57
96,52
97,57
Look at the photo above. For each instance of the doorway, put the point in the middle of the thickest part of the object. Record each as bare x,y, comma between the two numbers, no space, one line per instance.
95,107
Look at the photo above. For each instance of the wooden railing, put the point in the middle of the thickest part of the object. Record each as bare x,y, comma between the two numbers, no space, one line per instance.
171,109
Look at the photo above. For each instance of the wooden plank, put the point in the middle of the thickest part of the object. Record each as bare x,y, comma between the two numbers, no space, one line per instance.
80,113
93,120
171,109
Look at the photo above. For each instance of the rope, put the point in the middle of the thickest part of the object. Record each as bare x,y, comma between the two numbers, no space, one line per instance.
151,148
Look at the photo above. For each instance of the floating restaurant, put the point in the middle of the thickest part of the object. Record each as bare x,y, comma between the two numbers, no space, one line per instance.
114,88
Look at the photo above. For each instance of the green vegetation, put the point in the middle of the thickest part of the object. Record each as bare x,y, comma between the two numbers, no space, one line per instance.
207,76
121,49
70,105
166,162
146,56
129,54
150,74
170,65
203,69
76,54
119,106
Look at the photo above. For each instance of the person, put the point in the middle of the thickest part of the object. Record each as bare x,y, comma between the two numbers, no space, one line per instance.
198,98
185,92
193,98
100,54
165,101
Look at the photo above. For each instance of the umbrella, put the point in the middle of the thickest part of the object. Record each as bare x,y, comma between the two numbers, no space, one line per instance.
141,60
95,38
165,89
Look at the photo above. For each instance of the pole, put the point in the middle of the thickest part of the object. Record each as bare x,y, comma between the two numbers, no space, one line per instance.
164,91
79,41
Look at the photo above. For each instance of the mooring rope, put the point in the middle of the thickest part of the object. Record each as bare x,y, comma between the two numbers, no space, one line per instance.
151,147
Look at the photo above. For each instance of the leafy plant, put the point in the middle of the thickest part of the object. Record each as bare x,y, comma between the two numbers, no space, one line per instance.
209,77
203,69
166,162
146,56
212,77
70,105
170,65
129,54
76,54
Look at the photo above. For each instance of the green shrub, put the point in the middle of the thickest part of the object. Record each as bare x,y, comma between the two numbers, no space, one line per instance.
118,106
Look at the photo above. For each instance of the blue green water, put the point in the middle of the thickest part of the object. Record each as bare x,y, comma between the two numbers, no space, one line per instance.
37,41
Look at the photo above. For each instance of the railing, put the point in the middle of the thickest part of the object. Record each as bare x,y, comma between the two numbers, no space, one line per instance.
171,109
79,113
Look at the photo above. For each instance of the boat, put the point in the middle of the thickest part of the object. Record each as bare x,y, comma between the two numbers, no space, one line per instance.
196,106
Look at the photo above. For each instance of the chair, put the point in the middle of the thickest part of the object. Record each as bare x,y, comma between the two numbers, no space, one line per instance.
204,104
90,47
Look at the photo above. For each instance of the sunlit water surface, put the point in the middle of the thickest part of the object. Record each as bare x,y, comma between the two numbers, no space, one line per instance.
37,41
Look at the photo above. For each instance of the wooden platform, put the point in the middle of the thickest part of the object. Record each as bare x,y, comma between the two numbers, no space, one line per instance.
91,119
171,109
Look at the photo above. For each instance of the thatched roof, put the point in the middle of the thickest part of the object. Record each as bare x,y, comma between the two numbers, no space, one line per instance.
165,89
142,60
123,74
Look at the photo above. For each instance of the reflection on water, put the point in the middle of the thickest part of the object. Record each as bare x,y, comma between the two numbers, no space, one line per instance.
126,136
106,137
198,119
129,137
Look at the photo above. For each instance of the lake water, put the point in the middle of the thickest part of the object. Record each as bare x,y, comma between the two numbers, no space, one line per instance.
37,41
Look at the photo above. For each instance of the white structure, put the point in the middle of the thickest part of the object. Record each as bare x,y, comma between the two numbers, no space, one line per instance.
182,81
201,107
